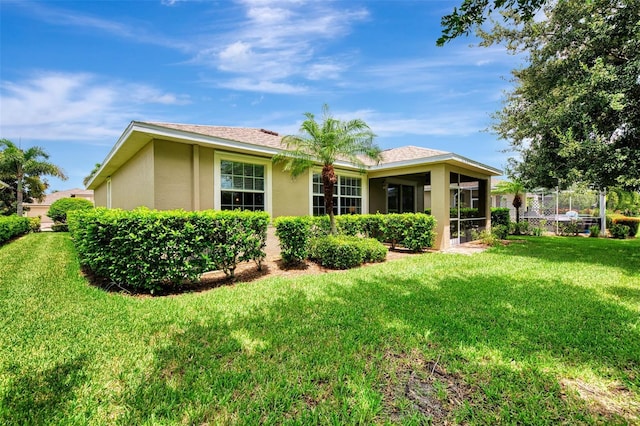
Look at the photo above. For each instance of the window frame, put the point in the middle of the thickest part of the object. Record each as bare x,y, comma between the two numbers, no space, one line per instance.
219,156
364,190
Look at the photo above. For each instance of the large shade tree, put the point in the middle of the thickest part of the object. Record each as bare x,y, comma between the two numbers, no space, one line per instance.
574,113
325,143
22,171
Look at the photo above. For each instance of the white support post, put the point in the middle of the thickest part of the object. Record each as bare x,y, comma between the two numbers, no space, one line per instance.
603,212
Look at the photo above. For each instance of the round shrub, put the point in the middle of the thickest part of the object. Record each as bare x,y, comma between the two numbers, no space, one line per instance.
345,252
294,233
59,209
500,231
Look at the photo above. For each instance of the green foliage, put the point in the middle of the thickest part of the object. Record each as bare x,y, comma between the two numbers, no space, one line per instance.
500,216
22,170
594,231
59,208
34,224
500,231
631,222
571,228
427,211
373,226
619,231
320,225
486,237
13,226
349,224
345,252
519,228
294,233
60,227
574,112
465,212
626,202
325,143
150,250
415,231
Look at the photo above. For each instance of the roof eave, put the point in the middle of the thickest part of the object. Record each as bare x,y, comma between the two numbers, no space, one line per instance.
449,156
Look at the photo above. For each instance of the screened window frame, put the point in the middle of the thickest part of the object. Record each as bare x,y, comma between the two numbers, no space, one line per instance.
343,194
219,187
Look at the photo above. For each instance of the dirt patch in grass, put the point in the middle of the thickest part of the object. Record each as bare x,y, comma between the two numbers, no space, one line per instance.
416,385
613,400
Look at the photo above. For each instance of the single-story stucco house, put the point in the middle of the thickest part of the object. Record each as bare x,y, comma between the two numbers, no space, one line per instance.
37,208
193,167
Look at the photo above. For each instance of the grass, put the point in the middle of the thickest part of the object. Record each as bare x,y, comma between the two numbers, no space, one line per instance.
545,331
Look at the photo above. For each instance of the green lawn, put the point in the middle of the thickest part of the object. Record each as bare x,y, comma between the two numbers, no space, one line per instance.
545,331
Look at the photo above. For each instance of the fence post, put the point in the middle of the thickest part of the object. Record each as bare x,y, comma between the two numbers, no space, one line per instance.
603,211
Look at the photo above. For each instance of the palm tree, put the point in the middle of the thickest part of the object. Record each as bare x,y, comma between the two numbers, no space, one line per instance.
327,142
516,188
88,178
24,168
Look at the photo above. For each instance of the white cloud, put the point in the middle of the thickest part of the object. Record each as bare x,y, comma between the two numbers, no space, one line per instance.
277,41
74,106
262,86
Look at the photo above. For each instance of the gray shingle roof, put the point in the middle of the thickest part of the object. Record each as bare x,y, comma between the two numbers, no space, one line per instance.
272,139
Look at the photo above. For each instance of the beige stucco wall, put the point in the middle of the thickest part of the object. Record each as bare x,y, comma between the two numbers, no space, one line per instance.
100,195
206,178
290,197
132,184
173,178
39,210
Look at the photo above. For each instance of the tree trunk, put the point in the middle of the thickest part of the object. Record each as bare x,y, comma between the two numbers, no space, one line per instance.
328,180
517,203
19,197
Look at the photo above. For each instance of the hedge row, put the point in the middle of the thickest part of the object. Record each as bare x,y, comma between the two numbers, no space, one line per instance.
633,223
60,208
150,250
415,231
13,226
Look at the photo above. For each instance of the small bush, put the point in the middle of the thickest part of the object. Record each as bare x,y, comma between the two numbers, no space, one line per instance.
34,224
294,233
427,211
519,228
60,227
345,252
486,237
59,209
594,231
374,250
13,226
619,231
571,228
500,216
420,231
500,231
633,223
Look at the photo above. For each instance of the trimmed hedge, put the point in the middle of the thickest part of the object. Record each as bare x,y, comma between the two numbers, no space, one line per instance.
633,223
415,231
150,250
294,233
500,216
344,251
13,226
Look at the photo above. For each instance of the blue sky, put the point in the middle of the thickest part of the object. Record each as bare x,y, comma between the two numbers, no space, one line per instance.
74,74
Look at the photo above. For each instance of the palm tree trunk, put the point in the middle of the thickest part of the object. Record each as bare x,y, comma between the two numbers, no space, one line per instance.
19,197
328,180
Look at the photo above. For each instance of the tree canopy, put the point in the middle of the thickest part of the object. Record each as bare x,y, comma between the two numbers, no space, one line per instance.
325,143
574,114
22,171
472,13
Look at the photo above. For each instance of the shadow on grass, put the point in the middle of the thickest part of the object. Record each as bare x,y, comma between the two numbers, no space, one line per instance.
320,358
41,397
622,254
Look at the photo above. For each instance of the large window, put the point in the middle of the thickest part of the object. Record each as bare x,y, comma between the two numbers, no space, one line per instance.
347,195
242,185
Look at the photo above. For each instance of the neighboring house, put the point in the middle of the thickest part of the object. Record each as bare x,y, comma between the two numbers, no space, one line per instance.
40,209
177,166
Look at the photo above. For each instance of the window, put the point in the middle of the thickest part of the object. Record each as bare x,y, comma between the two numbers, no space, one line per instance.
109,192
242,185
347,195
